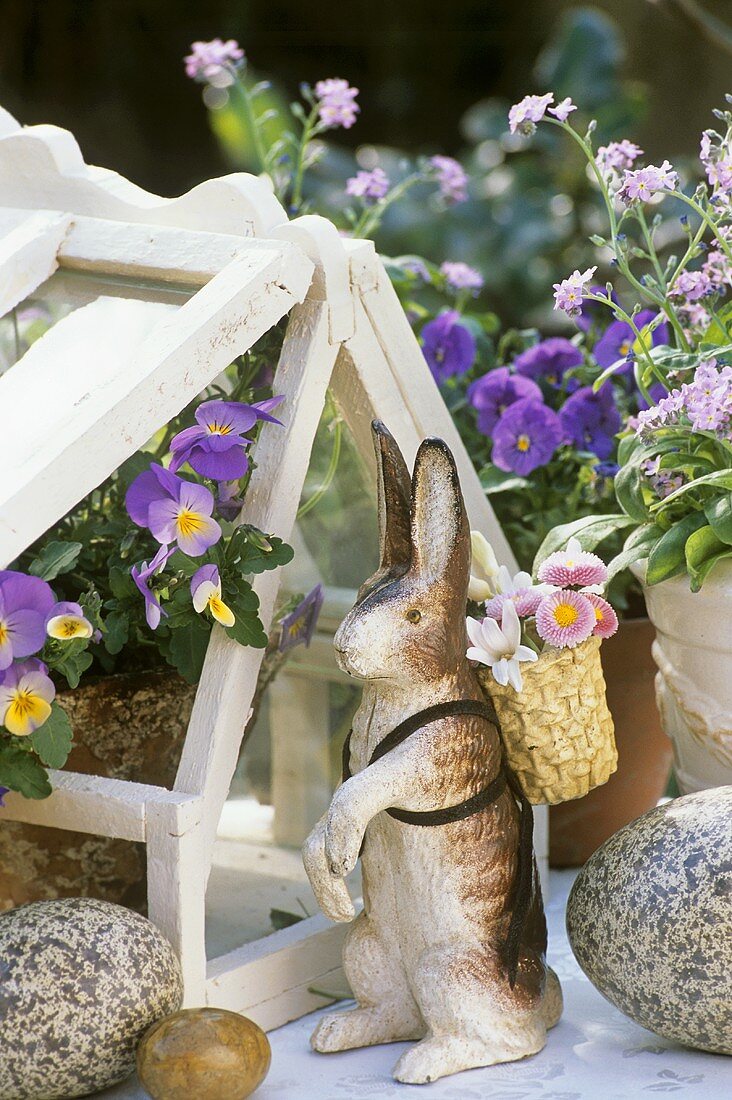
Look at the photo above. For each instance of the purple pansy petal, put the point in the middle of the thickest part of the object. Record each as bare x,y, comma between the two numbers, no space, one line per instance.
492,394
265,407
18,590
448,346
39,684
549,359
187,437
196,542
145,489
6,655
26,632
228,465
591,420
196,498
162,516
205,573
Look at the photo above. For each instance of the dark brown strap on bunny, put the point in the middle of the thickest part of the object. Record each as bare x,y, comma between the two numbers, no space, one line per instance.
470,806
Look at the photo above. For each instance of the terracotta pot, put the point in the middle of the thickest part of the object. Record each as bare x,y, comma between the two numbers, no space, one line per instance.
125,727
577,828
693,651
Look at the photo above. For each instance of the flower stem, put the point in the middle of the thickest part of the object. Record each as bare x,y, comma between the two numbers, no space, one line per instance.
699,209
299,174
330,473
241,92
372,216
666,306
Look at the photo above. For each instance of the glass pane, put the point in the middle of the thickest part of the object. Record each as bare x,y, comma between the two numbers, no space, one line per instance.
291,762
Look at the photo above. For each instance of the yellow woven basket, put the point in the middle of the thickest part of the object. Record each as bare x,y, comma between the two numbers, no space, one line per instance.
558,732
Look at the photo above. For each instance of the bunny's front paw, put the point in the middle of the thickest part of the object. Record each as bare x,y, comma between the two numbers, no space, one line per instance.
331,893
343,836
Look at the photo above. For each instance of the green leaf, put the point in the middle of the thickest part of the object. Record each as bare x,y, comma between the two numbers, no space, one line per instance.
71,659
54,559
637,546
52,741
116,631
188,646
121,582
703,551
629,485
719,515
494,480
589,530
252,552
248,629
667,558
721,479
716,334
21,771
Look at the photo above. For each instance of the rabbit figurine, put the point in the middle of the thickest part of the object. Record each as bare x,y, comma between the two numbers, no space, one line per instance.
426,958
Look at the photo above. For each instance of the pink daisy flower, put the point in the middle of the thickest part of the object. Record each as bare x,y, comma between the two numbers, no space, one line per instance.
573,566
606,621
565,619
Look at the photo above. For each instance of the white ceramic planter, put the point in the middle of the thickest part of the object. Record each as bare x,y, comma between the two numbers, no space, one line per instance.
693,652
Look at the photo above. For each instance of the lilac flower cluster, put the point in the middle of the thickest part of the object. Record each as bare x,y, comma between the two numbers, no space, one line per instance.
336,103
569,294
617,157
214,62
523,116
451,177
705,404
663,482
460,276
642,184
369,186
716,156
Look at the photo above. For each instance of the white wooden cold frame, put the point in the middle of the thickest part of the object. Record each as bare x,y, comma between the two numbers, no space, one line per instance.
227,250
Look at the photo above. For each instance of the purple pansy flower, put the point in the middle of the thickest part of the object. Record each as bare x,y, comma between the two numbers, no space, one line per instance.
549,359
448,345
216,446
299,626
618,339
25,603
26,694
492,394
591,420
141,574
526,437
3,792
174,510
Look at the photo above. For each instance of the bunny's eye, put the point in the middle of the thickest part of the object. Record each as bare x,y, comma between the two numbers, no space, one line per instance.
414,615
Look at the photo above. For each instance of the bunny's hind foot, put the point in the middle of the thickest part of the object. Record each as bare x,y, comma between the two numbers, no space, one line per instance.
443,1055
364,1027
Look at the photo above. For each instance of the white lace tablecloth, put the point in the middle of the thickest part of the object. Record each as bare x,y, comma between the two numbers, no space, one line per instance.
594,1053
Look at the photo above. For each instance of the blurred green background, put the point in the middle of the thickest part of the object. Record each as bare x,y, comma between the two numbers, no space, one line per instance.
434,76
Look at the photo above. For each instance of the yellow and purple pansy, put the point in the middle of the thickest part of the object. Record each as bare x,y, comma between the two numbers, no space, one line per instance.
174,510
25,604
67,621
206,594
26,694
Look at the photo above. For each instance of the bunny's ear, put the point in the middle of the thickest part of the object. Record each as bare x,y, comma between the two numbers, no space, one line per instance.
440,529
394,489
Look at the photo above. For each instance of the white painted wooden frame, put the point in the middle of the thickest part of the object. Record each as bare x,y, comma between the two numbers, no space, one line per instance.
227,250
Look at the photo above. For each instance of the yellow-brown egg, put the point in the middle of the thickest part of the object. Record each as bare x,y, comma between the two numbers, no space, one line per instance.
203,1054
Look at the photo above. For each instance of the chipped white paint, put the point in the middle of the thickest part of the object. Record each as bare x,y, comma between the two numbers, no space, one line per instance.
223,264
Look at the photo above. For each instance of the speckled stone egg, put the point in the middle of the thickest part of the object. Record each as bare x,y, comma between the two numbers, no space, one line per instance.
650,920
203,1054
80,982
